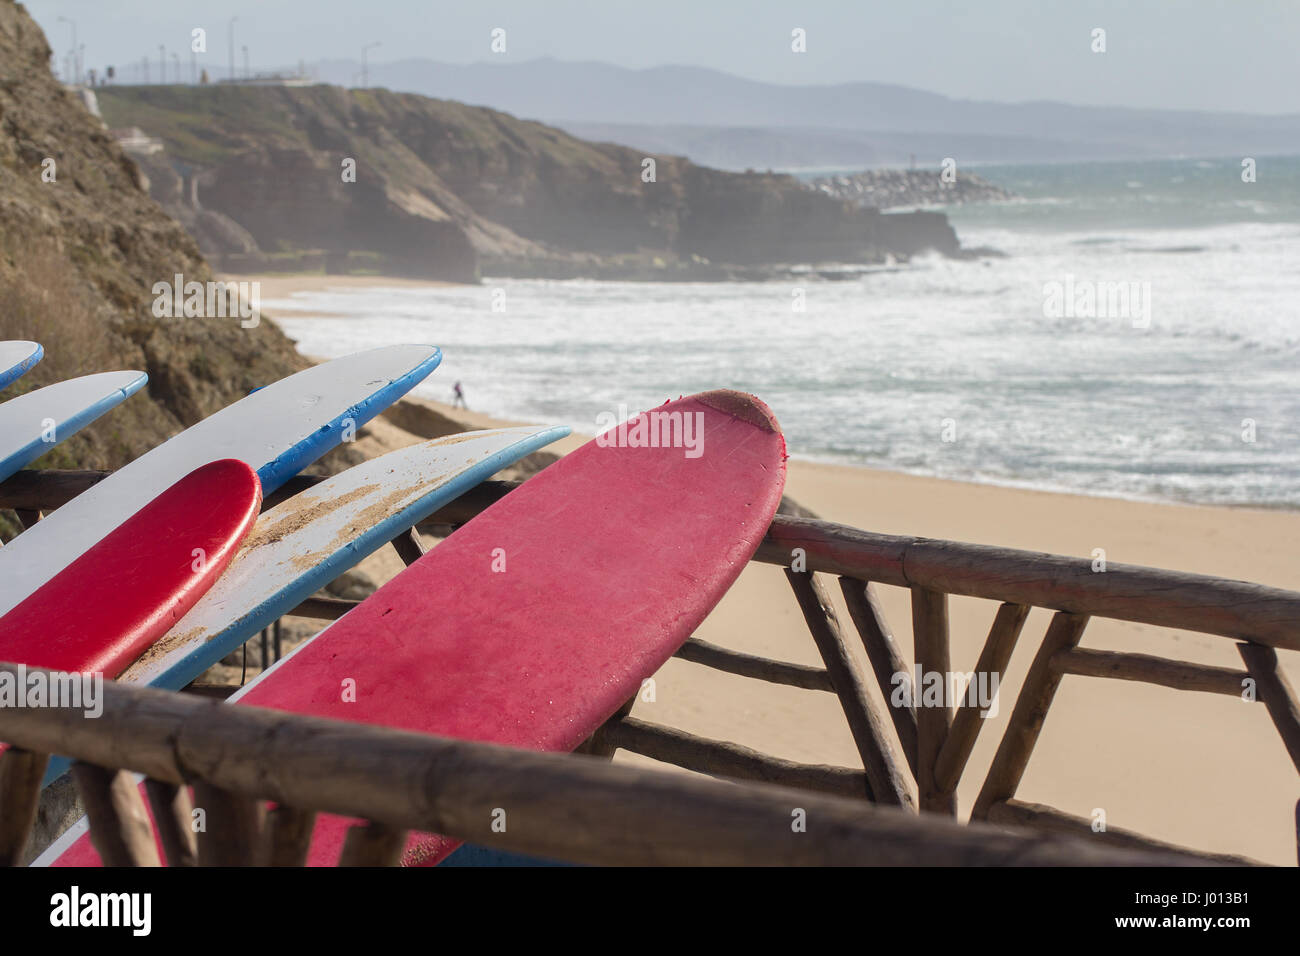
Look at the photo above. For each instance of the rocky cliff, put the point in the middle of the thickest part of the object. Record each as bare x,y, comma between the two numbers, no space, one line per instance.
445,190
81,246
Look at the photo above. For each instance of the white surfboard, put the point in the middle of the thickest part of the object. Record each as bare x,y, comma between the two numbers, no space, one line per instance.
33,423
16,357
302,544
277,430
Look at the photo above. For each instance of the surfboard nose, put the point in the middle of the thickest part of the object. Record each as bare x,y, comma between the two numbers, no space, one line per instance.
741,405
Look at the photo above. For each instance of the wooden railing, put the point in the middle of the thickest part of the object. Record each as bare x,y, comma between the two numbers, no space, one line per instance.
935,742
563,807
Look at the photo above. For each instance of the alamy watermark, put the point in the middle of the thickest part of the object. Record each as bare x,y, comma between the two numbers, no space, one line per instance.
653,429
208,300
41,688
1085,299
939,689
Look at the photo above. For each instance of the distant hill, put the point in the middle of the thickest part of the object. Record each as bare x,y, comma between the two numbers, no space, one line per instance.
720,119
450,191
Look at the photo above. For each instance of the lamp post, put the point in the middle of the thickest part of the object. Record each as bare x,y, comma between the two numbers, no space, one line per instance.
232,48
73,78
365,71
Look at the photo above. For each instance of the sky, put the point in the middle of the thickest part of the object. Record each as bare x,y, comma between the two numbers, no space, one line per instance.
1233,55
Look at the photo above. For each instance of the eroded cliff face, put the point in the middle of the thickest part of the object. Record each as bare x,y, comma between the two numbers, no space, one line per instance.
452,191
81,246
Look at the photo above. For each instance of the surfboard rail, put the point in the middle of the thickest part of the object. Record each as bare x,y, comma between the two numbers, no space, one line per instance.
935,743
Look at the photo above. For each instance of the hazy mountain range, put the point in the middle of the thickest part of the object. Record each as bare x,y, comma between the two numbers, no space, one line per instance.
722,120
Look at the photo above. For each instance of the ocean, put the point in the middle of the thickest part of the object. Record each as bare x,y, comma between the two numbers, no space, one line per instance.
1140,339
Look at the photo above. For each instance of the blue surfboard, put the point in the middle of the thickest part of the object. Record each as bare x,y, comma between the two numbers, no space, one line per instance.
33,423
277,430
16,358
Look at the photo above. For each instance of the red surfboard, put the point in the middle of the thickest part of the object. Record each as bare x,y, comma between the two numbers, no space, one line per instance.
532,624
102,611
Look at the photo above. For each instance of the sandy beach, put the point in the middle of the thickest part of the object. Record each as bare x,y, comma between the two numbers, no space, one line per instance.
1201,770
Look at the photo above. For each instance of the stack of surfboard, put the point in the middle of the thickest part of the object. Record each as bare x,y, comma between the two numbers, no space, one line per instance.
530,626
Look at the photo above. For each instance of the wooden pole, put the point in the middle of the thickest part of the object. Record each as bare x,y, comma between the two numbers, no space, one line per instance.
759,668
724,759
1194,602
886,660
288,836
1001,641
1151,670
435,785
888,783
323,608
408,546
119,824
598,746
1027,718
173,818
1275,690
1019,814
930,637
20,795
372,844
232,834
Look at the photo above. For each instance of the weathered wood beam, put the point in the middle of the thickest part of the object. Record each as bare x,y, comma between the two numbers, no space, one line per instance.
173,819
1194,602
372,844
598,745
1027,718
420,782
933,721
232,831
1052,820
119,823
966,724
866,721
721,758
759,668
20,796
1151,670
887,661
1275,691
288,836
408,546
323,608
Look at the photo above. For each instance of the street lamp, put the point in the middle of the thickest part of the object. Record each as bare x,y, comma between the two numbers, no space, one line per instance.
232,48
365,73
73,24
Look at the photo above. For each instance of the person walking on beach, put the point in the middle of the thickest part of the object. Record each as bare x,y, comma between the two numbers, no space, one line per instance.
459,400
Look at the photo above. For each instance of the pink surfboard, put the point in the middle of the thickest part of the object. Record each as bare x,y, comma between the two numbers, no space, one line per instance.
535,622
102,611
